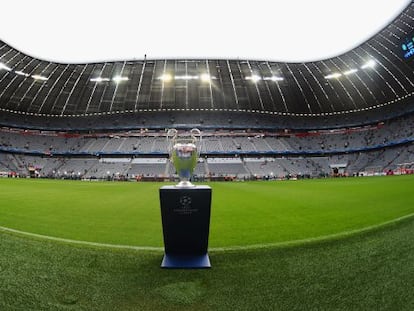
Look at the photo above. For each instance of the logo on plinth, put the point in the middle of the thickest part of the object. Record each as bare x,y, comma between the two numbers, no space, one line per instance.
185,206
185,202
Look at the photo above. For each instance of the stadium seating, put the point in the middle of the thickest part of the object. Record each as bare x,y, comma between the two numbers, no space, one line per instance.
353,112
378,147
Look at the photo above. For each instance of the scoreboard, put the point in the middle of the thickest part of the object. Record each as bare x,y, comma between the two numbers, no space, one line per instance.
407,47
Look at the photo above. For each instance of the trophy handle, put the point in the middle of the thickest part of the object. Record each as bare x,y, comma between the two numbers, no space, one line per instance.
172,134
196,133
171,137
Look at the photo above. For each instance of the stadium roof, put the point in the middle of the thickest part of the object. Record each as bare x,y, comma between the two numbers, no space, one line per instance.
377,73
101,30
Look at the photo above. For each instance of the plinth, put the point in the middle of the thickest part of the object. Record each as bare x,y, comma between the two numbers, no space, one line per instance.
185,214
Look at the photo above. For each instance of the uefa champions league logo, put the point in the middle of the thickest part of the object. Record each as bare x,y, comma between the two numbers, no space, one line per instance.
185,202
184,206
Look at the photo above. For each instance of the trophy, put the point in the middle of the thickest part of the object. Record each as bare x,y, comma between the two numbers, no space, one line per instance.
184,154
185,208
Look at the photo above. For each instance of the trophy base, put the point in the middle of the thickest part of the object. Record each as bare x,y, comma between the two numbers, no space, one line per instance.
185,215
184,184
185,261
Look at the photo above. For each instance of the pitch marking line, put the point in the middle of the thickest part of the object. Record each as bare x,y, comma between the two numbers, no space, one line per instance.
214,249
105,245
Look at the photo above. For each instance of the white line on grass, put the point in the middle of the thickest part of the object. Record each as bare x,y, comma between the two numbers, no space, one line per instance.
315,239
214,249
52,238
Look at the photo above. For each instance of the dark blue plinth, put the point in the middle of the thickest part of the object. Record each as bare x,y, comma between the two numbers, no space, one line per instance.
185,215
186,261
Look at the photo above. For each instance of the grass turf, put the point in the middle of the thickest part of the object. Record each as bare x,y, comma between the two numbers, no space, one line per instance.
242,213
370,271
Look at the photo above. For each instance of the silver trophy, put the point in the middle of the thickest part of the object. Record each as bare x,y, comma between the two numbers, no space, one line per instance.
184,154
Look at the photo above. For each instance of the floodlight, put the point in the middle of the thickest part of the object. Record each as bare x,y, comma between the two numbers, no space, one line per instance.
254,78
165,77
273,78
205,77
5,67
333,75
351,71
118,79
21,73
99,79
371,63
186,77
39,77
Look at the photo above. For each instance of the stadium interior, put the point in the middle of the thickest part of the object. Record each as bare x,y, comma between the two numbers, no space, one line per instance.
348,115
340,243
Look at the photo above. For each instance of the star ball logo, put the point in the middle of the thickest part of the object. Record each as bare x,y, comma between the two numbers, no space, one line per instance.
185,202
184,206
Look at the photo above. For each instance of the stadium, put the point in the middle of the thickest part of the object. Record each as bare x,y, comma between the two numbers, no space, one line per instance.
310,164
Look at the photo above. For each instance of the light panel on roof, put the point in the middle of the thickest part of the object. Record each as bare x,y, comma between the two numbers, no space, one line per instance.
21,73
186,77
369,64
118,79
351,71
5,67
205,77
334,75
99,79
254,78
273,78
39,77
165,77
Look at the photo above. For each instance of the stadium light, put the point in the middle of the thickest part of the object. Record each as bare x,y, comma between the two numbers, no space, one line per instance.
186,77
21,73
99,79
351,71
205,77
371,63
254,78
118,79
39,77
273,78
165,77
334,75
5,67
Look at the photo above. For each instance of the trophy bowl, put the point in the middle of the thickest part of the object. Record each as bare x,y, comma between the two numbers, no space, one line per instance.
184,154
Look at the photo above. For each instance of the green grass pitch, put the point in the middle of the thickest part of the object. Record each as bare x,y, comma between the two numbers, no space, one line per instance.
243,214
370,270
